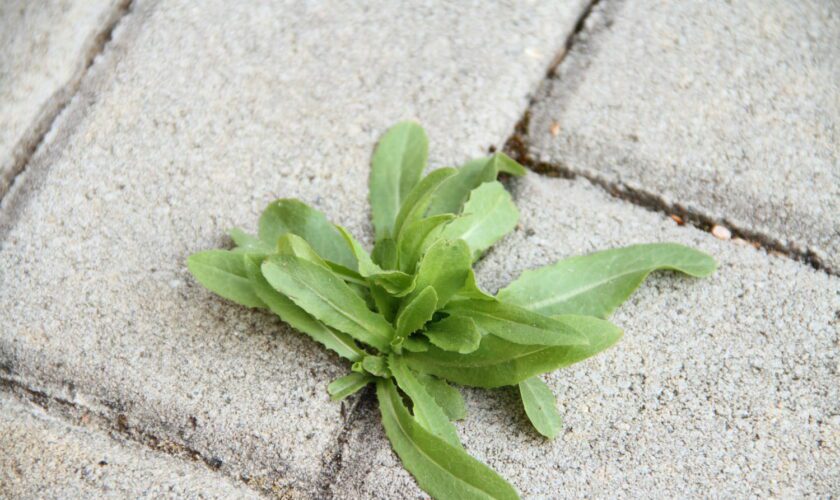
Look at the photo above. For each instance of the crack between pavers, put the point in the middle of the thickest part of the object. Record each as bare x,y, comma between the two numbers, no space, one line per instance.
34,137
518,148
333,463
83,416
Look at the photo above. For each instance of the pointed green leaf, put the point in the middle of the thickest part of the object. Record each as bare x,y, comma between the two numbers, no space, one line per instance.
300,320
455,333
541,407
498,362
224,273
417,238
396,283
386,304
508,165
417,343
293,216
326,297
250,244
489,214
426,410
417,312
418,199
398,163
516,324
385,253
292,244
376,365
442,470
445,267
366,264
451,195
471,290
446,396
349,384
596,284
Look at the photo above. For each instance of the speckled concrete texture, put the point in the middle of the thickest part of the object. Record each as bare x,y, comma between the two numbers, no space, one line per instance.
195,117
725,387
45,457
45,48
730,110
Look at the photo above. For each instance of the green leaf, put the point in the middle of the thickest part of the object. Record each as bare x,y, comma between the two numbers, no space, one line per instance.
446,396
451,195
455,333
292,244
445,267
386,304
449,198
471,290
596,284
489,214
385,253
250,244
498,362
416,239
366,264
398,163
349,384
416,343
426,410
293,216
300,320
224,272
376,365
442,470
418,199
396,283
541,407
508,165
326,297
516,324
417,312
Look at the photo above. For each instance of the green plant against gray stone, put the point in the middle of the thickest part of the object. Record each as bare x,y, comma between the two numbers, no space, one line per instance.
409,316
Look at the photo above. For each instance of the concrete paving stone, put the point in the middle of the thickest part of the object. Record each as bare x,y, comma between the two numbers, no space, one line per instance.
45,457
730,110
46,47
725,387
194,118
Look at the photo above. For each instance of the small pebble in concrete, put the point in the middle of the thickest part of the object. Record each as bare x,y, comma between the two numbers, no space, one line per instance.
721,232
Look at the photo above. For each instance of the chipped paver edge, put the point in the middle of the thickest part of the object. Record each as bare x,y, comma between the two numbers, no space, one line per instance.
33,137
518,147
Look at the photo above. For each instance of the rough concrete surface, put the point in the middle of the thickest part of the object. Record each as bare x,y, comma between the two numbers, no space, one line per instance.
730,110
194,118
45,457
725,387
46,47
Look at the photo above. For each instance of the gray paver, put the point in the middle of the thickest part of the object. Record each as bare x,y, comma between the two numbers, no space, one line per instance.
192,121
45,49
725,387
44,457
728,109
